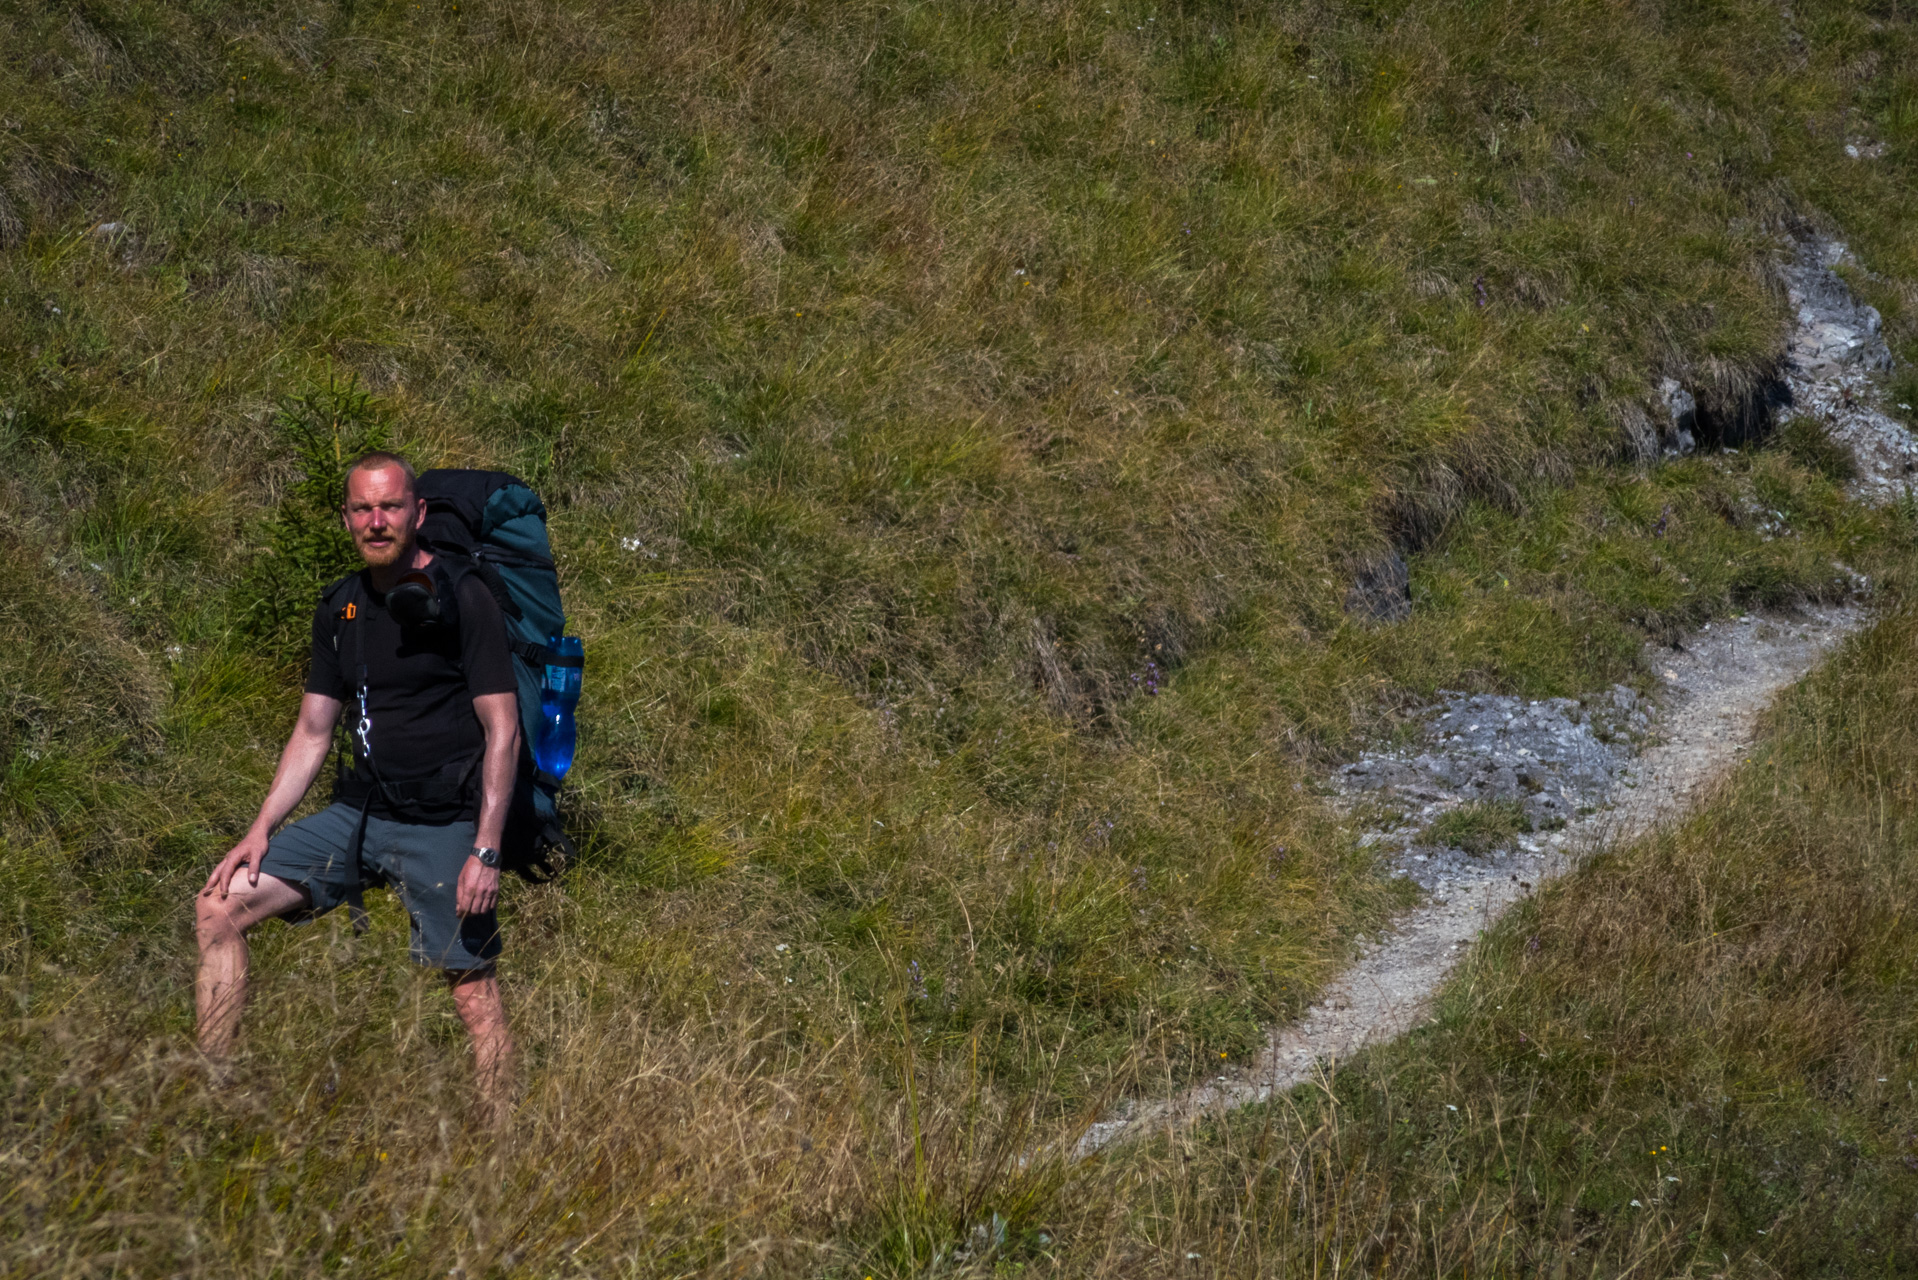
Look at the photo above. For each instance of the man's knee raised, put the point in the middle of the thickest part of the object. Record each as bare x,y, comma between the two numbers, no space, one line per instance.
213,920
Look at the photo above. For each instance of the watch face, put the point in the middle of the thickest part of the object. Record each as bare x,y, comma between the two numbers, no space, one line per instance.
487,857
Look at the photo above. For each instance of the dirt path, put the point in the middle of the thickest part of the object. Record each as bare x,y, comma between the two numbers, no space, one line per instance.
1574,762
1715,689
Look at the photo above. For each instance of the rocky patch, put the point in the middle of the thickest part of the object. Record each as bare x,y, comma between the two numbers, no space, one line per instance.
1837,343
1553,757
1831,331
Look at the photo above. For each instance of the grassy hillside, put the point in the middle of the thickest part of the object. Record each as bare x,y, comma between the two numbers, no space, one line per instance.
962,428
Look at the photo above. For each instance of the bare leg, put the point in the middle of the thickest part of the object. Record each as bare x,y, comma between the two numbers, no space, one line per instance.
476,996
220,990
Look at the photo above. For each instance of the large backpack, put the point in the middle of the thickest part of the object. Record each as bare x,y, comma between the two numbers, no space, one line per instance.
495,525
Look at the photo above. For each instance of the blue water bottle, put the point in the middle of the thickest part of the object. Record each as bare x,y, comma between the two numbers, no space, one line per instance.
558,695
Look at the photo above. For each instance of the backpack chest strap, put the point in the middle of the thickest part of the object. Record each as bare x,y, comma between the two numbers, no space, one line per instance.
541,655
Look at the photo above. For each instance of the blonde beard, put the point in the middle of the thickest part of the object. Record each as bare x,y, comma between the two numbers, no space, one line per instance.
396,554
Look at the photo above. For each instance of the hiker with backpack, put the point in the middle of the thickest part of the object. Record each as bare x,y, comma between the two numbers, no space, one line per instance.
435,651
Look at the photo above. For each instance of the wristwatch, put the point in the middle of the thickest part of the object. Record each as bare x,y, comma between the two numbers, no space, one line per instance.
487,857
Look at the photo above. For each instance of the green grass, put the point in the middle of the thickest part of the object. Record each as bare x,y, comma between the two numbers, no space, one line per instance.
961,428
1478,828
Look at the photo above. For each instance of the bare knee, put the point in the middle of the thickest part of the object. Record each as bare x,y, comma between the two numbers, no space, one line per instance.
224,921
213,921
476,997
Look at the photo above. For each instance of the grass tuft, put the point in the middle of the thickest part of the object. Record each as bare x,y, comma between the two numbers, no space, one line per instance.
1478,828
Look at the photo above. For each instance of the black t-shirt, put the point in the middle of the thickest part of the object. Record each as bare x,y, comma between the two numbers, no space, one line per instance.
421,682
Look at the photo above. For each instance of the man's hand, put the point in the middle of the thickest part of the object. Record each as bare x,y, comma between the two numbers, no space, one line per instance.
247,853
478,889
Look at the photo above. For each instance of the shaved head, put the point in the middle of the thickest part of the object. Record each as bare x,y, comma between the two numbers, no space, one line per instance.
380,460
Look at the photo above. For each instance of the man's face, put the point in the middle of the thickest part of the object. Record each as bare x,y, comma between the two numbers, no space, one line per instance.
382,515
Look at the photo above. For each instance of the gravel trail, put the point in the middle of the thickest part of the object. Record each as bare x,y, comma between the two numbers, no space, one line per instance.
1598,769
1714,690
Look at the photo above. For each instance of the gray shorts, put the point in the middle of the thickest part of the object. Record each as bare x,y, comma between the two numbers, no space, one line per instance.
421,861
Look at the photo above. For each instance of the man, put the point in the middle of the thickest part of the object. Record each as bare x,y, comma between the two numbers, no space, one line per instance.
435,746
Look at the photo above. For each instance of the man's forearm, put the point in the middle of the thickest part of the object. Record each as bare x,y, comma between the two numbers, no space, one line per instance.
496,791
499,720
300,764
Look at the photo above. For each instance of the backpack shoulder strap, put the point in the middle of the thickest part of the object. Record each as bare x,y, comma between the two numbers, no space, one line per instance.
342,598
450,570
454,567
347,598
459,566
533,654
